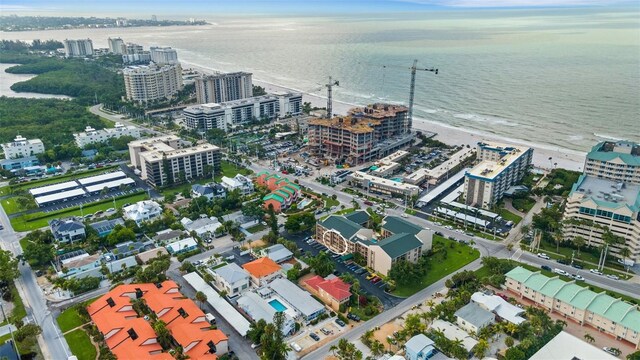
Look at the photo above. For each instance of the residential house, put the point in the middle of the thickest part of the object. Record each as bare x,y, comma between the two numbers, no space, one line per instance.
259,308
278,253
105,227
306,307
453,332
182,246
262,270
66,231
209,191
419,347
168,236
142,211
238,182
232,279
472,318
500,307
145,257
204,226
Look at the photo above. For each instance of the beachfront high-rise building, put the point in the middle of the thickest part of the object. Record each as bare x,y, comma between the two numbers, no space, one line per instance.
614,160
596,205
500,167
78,48
163,55
230,114
20,147
220,88
365,134
169,160
91,135
116,45
152,82
131,48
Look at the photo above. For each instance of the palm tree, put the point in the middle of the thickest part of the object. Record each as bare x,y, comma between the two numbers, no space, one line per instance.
481,347
625,253
579,242
588,338
333,349
201,297
377,348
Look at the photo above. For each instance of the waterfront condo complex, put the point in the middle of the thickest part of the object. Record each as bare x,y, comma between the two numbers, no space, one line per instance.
365,134
614,160
91,135
221,87
168,159
152,82
500,167
78,48
163,55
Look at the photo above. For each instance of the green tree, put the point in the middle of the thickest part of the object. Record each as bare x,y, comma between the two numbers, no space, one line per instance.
201,297
8,267
634,356
38,250
256,329
481,348
272,340
588,338
579,242
322,264
348,351
163,335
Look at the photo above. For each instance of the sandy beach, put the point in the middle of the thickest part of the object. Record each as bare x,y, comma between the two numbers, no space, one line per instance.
563,158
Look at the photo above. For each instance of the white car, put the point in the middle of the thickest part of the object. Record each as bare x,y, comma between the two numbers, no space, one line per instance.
613,277
594,271
577,277
543,256
560,272
296,347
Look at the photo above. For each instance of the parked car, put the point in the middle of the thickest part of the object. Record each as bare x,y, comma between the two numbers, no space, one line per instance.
353,317
577,266
563,261
594,271
370,276
612,351
340,323
314,336
368,203
545,267
543,256
296,347
613,277
326,331
560,272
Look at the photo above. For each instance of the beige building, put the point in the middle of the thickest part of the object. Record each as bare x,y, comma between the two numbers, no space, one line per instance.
612,316
614,160
223,87
381,185
436,175
144,83
596,204
168,160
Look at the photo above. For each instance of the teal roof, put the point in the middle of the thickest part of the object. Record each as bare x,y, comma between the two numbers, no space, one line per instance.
282,193
358,217
600,304
519,274
536,281
592,188
568,293
396,225
274,197
632,320
618,310
583,298
399,244
344,226
552,287
596,153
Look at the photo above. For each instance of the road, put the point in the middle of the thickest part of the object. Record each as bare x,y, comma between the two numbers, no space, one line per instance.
97,110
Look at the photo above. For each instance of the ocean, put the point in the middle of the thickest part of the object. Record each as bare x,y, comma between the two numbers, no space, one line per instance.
564,78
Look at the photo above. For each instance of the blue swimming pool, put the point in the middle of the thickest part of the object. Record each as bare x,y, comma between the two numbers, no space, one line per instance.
277,305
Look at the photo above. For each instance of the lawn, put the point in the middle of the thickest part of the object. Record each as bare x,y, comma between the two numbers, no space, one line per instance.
230,170
40,219
80,345
256,228
11,205
5,190
4,338
509,216
178,189
458,255
69,319
329,202
19,311
345,211
523,204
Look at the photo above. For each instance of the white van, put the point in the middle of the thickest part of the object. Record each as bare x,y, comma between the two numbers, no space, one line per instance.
210,318
296,347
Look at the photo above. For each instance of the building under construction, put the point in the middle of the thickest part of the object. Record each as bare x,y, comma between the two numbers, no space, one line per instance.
364,135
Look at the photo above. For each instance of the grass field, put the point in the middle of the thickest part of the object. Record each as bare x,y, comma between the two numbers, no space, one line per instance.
11,205
22,223
524,205
19,312
230,170
69,319
80,345
256,228
4,338
329,202
509,216
458,255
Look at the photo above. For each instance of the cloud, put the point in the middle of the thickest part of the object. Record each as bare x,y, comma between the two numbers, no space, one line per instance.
515,3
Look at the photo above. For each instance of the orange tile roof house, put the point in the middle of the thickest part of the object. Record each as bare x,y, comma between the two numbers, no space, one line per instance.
262,270
332,290
131,337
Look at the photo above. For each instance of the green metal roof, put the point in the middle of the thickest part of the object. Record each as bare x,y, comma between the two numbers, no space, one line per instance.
618,310
398,225
583,298
536,281
399,244
358,217
600,304
274,197
519,274
628,159
552,287
632,320
568,292
287,190
344,226
282,193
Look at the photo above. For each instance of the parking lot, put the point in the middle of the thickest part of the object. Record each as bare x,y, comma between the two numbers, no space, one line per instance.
324,331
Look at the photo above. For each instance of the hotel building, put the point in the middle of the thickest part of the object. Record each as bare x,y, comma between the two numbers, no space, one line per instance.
78,48
91,135
500,166
618,161
145,83
115,45
220,88
168,159
21,147
163,55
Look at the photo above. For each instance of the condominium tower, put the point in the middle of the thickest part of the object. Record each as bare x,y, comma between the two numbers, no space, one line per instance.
220,88
501,166
78,48
21,147
614,160
116,46
163,55
153,82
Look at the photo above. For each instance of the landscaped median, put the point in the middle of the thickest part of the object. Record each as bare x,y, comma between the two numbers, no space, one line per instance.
447,256
41,219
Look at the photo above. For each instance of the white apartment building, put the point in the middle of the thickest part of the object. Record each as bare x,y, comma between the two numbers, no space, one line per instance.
228,115
91,135
596,204
439,173
381,185
163,55
21,147
500,167
220,88
145,83
78,48
614,160
168,160
140,58
131,48
116,45
238,182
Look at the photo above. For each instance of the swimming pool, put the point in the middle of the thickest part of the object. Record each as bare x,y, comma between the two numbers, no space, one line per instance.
304,203
276,304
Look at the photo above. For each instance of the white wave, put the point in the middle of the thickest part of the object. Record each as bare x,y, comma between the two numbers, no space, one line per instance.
606,137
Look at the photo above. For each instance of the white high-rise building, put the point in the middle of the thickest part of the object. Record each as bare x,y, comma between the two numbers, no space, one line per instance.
152,82
21,147
116,45
131,48
91,135
164,55
220,88
78,48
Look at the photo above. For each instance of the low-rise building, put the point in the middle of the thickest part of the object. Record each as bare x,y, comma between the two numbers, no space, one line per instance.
472,318
381,185
67,231
105,227
210,191
204,226
182,246
145,257
92,136
451,331
439,173
419,347
142,211
16,164
262,270
283,194
168,236
258,308
332,290
500,307
306,307
231,279
565,346
278,253
238,182
612,316
20,147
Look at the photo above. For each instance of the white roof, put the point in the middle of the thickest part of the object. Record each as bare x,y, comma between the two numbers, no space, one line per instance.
461,216
452,332
499,306
182,244
103,177
256,307
278,253
53,188
232,273
431,195
298,298
418,343
202,225
110,184
568,347
59,196
228,312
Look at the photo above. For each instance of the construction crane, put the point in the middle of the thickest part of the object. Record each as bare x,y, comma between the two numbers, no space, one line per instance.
330,86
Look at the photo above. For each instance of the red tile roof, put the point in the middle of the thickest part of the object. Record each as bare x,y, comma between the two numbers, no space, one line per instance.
335,287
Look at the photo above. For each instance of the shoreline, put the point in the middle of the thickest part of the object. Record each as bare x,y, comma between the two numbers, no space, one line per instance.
564,158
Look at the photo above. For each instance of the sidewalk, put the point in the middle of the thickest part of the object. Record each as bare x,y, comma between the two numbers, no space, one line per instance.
6,329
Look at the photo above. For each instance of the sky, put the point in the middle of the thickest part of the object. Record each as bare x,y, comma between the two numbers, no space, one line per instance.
198,8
